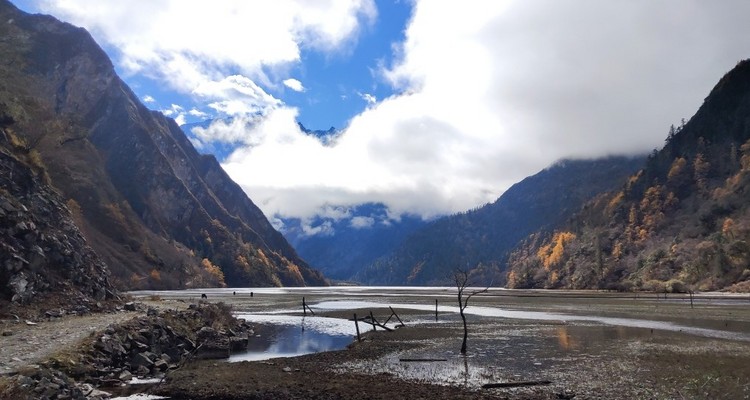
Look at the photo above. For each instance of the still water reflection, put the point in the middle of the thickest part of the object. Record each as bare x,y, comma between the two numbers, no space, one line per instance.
289,341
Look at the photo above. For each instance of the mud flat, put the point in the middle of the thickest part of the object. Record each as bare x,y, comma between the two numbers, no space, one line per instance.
586,344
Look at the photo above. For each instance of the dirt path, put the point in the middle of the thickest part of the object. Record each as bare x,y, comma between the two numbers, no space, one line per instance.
22,344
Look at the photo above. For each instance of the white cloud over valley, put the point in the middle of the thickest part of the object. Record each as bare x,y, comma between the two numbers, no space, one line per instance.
489,92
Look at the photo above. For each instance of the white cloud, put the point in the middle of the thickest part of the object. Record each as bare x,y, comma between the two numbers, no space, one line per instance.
491,91
360,222
325,228
148,99
197,113
294,84
236,95
369,98
496,91
173,110
180,119
237,130
193,44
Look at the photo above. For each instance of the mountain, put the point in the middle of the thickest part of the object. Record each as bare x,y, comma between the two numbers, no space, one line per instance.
45,259
681,223
481,239
157,212
343,244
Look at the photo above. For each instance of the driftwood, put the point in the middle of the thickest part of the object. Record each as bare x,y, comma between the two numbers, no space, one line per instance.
422,359
515,384
374,322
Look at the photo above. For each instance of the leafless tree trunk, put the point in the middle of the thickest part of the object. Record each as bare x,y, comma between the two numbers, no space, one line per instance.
461,278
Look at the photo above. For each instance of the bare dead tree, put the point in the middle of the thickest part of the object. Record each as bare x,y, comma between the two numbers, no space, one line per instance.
461,278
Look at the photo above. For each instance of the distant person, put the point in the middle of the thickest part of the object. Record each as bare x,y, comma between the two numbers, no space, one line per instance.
234,293
251,294
203,296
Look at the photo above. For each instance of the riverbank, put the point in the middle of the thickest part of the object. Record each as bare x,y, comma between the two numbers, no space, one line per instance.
587,345
141,342
594,346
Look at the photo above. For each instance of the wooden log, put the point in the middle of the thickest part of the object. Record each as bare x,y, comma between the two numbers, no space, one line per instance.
356,325
515,384
306,308
422,359
374,322
399,319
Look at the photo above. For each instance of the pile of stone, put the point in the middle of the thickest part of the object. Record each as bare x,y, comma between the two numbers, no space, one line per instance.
145,347
43,250
149,346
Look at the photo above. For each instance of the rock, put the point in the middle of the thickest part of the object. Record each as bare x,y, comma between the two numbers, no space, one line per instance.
125,376
211,344
151,312
287,369
161,365
238,343
130,306
7,333
142,370
142,359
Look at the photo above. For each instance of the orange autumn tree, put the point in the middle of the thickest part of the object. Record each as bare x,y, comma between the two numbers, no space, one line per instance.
551,254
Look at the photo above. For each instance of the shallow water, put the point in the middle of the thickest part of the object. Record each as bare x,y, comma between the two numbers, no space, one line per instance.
291,336
495,312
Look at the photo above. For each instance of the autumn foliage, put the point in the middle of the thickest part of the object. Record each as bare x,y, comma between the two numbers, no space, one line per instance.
682,223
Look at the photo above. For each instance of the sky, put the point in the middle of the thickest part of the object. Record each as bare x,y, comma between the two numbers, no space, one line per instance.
438,106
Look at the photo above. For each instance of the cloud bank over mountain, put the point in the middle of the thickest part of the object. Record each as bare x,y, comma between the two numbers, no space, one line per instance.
486,92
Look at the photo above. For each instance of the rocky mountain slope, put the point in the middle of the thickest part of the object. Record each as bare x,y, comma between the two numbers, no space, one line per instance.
44,255
480,239
157,212
681,223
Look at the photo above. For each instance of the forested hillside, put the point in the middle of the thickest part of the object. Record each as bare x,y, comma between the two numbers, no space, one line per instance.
680,223
481,239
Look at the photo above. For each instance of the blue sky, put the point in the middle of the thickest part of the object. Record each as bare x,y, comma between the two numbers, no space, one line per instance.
440,105
335,83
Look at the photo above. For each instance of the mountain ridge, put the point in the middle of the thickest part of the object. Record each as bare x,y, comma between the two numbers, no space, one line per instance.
682,223
479,239
156,210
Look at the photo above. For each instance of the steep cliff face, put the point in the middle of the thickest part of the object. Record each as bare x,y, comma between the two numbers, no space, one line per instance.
681,223
159,213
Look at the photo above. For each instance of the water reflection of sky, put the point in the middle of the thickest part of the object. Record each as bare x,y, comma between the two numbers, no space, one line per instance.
289,336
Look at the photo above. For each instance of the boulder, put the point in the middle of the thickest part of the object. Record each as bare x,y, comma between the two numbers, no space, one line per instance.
211,344
142,359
